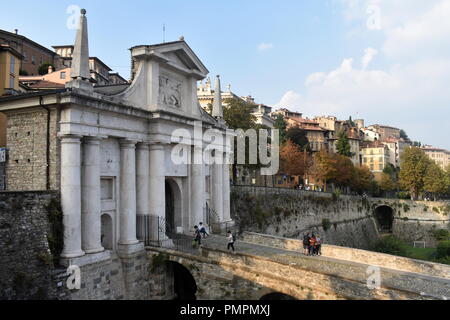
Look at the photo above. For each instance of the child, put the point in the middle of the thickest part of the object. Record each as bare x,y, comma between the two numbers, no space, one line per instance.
230,241
203,230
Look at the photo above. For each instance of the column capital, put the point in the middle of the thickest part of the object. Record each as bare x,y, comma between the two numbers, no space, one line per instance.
93,139
70,138
143,146
159,146
126,143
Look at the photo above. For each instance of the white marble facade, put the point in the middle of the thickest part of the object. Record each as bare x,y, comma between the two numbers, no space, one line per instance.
116,146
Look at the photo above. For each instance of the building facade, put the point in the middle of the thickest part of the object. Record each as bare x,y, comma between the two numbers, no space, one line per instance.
440,156
34,54
375,156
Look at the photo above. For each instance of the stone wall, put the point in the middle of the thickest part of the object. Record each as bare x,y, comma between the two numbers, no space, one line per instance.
348,221
26,262
27,150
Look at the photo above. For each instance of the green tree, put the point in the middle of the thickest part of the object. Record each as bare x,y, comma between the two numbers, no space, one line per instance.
299,137
387,183
43,69
404,135
281,125
343,145
414,165
435,180
238,114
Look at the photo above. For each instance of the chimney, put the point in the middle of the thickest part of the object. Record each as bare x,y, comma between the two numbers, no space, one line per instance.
16,31
50,69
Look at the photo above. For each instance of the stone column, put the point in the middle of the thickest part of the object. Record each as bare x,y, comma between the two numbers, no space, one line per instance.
197,186
142,175
226,189
71,195
90,196
127,193
217,192
157,188
142,193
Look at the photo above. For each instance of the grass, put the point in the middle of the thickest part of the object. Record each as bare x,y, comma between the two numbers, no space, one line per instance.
426,254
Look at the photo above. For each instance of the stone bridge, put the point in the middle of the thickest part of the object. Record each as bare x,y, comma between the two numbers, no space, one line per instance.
267,267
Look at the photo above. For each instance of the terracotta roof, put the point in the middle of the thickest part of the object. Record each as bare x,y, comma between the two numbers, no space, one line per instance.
46,85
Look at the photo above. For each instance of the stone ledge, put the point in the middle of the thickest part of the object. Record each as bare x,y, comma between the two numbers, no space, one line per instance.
87,259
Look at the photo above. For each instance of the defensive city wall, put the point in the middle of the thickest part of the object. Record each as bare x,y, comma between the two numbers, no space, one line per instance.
348,221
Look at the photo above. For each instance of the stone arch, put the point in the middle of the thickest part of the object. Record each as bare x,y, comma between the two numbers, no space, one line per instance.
173,205
384,216
107,231
276,296
184,284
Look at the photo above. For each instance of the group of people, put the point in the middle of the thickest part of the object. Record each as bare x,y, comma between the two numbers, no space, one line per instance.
312,244
201,233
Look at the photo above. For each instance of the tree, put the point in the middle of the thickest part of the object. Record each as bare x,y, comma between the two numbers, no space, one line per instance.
404,136
43,69
294,162
387,184
344,171
281,125
435,180
362,179
343,145
414,165
323,167
238,114
299,137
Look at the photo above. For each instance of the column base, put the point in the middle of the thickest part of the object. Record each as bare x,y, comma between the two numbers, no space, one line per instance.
72,255
86,259
91,251
127,250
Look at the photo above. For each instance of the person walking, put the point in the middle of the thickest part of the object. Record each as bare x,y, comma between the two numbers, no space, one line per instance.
312,243
306,244
318,245
231,241
203,231
197,236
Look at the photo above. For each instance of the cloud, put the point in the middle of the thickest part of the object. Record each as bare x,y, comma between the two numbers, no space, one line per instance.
410,90
369,54
265,46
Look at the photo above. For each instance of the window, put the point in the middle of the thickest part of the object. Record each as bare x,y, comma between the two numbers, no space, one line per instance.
25,56
12,65
11,82
62,75
33,59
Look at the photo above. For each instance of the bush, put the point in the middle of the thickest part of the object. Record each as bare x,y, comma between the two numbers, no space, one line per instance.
336,194
442,234
404,195
326,224
391,245
443,250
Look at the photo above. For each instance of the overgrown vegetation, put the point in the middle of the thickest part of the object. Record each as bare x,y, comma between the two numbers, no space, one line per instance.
56,234
391,245
326,224
158,261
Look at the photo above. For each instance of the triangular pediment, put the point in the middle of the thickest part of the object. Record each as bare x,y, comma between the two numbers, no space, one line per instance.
181,54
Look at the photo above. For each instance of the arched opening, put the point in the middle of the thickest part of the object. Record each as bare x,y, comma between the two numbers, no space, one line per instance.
384,216
173,206
107,232
184,283
276,296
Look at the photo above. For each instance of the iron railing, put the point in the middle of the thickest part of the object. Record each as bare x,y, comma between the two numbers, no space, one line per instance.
155,231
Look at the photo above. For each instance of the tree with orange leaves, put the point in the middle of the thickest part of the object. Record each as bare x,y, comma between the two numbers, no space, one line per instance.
294,162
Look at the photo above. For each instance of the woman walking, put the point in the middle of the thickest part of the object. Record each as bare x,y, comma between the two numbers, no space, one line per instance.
230,241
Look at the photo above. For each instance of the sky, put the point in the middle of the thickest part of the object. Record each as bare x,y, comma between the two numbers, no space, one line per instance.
386,61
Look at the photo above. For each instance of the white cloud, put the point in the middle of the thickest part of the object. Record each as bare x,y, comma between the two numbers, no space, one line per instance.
265,46
369,54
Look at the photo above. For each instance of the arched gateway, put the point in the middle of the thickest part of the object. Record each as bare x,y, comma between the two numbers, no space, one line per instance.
384,215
